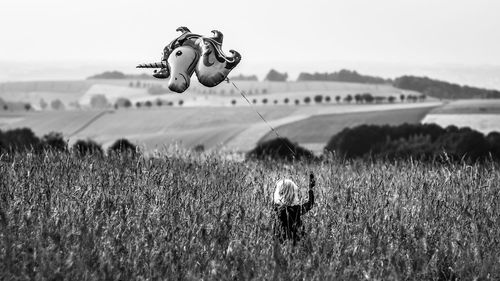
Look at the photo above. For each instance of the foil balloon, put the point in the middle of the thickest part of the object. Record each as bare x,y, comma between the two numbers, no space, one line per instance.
190,53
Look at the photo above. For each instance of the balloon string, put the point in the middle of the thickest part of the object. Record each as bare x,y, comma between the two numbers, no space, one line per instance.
242,93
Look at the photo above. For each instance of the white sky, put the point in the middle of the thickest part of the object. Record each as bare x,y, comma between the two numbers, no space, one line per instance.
465,32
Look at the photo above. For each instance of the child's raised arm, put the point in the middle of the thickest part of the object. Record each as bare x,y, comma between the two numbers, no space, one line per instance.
309,204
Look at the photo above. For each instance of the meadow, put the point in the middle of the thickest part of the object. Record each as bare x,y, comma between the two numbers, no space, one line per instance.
319,129
479,114
189,216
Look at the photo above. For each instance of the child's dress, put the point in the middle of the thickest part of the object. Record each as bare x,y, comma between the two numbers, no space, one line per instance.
287,222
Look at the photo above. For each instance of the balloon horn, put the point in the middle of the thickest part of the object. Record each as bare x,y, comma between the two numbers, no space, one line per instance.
152,65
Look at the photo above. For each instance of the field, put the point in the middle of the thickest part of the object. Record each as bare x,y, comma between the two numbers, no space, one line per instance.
202,217
72,92
228,128
316,131
481,115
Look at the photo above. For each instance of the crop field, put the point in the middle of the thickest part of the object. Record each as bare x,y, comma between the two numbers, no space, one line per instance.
230,128
66,122
484,123
314,132
136,90
183,216
472,106
482,115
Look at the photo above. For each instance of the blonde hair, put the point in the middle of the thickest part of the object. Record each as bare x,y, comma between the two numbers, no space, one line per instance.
286,193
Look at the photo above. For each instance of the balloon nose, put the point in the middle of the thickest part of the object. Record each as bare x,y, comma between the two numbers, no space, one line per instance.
177,88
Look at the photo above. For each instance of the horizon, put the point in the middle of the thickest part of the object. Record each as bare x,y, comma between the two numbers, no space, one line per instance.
312,36
482,76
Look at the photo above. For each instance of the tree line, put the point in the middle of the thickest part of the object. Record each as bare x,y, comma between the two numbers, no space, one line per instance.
24,140
425,142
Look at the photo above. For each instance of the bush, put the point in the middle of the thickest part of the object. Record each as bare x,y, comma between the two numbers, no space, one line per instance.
286,100
307,100
328,99
122,146
280,149
19,140
55,142
87,147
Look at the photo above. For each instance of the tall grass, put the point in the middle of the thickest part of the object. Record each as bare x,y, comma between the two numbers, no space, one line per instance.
204,217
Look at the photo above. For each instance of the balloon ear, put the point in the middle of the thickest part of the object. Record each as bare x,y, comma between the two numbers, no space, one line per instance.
214,66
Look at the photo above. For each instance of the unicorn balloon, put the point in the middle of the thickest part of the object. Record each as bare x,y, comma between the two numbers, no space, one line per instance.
191,53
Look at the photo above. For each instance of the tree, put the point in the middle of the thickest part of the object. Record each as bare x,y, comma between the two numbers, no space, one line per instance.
233,102
274,75
123,102
307,100
27,106
318,98
391,99
148,103
138,104
159,102
286,100
402,97
348,98
5,107
254,101
138,84
358,98
327,99
127,103
43,104
275,101
99,101
57,104
264,101
367,97
297,102
337,99
181,102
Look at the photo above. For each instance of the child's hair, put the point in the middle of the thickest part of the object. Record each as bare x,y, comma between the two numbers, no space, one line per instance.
285,192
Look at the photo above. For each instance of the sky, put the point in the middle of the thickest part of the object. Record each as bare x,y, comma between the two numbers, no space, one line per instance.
312,35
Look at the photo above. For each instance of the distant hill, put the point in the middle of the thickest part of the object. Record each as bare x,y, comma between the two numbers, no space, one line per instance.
119,75
442,89
343,75
242,77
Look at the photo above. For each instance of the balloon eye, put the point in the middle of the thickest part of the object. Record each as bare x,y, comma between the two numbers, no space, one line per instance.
178,53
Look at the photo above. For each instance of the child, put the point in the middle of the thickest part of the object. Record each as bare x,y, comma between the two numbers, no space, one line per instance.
287,223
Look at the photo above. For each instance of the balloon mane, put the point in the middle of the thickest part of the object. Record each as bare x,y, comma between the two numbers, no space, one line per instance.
212,64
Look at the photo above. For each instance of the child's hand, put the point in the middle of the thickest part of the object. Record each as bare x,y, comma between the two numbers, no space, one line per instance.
312,181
